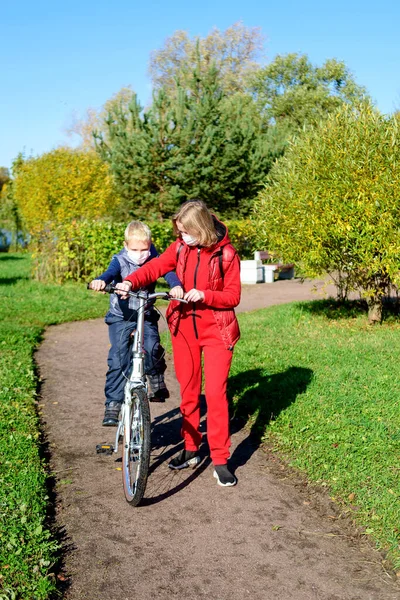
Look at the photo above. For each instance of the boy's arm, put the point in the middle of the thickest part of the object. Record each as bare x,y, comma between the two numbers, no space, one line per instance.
172,279
113,273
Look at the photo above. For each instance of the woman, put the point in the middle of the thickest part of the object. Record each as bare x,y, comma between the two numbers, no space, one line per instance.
209,268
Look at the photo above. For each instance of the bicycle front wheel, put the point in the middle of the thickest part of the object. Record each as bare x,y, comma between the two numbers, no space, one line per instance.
136,448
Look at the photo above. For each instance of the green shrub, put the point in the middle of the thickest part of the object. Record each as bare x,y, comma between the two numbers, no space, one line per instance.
332,203
81,250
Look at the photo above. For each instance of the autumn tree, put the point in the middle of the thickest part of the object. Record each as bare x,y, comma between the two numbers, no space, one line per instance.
236,53
59,186
94,119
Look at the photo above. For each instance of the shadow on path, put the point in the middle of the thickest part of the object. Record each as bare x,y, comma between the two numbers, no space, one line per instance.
262,397
167,440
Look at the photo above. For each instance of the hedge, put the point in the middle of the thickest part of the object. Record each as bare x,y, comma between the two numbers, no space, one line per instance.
81,250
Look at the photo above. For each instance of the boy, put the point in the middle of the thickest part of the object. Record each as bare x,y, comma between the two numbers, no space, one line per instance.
121,321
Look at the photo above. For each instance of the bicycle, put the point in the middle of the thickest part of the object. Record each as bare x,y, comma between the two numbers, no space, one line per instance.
134,425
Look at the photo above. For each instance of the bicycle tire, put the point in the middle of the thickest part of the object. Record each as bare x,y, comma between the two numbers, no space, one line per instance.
136,448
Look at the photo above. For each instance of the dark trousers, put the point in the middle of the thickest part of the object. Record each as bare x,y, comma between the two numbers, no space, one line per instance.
119,355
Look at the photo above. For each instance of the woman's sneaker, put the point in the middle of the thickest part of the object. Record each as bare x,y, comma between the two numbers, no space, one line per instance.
187,458
223,476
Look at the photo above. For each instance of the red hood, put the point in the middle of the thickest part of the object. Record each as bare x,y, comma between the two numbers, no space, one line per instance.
222,233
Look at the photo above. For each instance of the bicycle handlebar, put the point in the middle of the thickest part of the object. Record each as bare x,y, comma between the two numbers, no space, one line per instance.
110,289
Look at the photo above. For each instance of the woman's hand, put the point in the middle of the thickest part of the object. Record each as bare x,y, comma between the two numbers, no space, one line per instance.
122,288
97,285
176,292
194,296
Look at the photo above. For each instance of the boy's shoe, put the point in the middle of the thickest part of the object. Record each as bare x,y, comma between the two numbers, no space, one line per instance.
111,414
187,458
159,391
159,396
223,476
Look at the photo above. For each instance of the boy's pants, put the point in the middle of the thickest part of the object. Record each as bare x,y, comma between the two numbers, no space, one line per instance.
217,361
119,355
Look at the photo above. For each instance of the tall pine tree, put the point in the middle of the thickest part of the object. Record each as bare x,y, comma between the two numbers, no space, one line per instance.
194,142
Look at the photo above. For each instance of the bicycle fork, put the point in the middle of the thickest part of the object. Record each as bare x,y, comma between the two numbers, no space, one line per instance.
135,381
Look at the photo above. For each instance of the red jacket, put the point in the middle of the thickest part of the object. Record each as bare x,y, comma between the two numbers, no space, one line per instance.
217,274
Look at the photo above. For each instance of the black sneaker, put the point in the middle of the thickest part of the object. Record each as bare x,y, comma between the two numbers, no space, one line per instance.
111,414
159,391
159,396
187,458
223,476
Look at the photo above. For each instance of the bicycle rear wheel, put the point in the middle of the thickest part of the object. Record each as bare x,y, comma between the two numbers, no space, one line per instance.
136,448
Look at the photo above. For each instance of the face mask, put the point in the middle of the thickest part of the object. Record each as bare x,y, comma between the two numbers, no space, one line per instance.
189,239
138,257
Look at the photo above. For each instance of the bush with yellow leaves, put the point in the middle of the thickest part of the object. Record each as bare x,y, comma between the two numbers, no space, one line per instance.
62,185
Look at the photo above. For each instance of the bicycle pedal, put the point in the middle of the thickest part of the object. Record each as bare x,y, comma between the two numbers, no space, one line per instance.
104,449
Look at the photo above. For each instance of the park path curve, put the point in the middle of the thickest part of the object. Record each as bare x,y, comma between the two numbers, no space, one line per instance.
271,537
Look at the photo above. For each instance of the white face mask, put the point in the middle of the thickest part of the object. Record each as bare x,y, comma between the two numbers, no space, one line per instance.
189,239
138,256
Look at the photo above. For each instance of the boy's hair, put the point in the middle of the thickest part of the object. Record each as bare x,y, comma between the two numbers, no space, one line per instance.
197,220
138,230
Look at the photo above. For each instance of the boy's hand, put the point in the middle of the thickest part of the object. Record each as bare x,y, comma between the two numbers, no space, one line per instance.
176,292
97,285
122,288
194,296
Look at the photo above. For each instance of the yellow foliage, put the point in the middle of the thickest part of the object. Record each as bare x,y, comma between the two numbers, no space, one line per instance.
60,186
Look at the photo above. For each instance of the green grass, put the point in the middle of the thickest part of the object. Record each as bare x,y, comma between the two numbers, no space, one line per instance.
316,382
27,547
324,389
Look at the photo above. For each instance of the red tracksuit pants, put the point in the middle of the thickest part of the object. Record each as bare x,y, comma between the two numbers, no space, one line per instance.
188,350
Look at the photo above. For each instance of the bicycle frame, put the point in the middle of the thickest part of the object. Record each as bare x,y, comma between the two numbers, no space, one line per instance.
137,378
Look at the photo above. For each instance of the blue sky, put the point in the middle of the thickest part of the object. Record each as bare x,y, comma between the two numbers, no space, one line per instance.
61,57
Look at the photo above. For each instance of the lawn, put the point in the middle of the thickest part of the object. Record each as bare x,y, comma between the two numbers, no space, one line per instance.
323,388
319,384
27,547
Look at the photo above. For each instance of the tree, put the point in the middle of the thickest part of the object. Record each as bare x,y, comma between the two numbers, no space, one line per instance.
291,87
94,119
332,203
292,92
195,141
14,235
235,53
59,186
4,177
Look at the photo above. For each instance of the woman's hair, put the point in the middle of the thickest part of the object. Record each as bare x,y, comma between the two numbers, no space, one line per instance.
137,230
195,217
